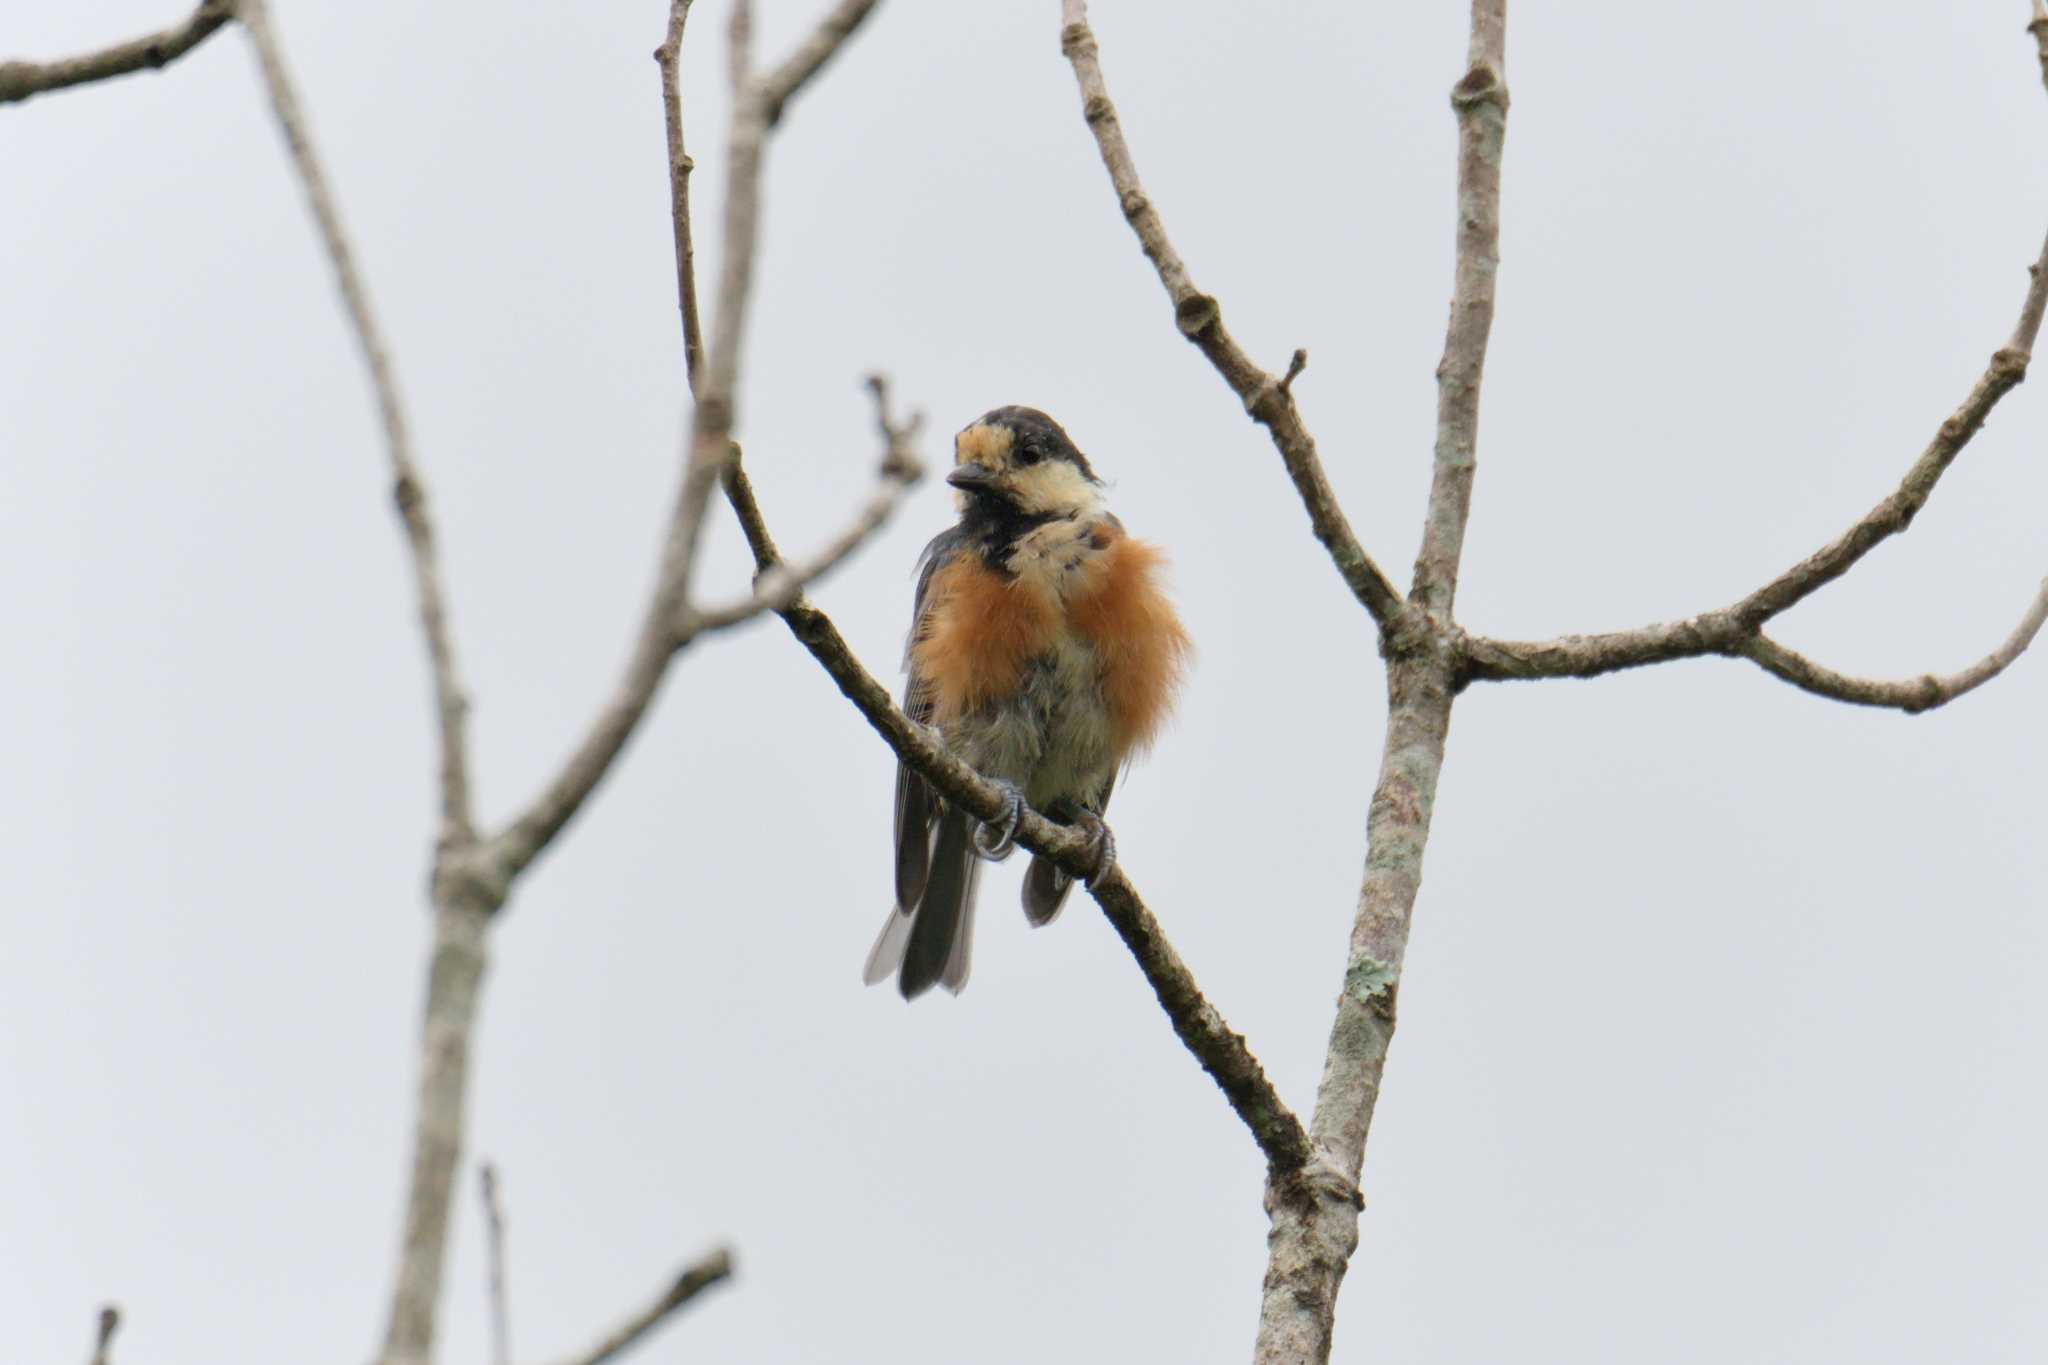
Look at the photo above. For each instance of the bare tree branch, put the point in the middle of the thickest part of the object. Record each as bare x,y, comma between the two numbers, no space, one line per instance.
1481,101
1220,1051
669,57
1734,629
462,920
1907,694
1896,512
494,1262
779,86
777,587
710,444
693,1280
1270,401
408,489
466,889
1315,1216
103,1342
151,52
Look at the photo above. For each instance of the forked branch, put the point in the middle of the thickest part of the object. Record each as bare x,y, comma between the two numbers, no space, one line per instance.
1906,694
1737,629
669,621
776,588
1268,398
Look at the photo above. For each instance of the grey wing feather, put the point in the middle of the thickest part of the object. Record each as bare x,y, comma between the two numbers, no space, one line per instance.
928,937
916,805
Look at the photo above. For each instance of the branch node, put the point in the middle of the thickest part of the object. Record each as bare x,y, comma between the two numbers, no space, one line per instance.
1480,85
475,876
1195,314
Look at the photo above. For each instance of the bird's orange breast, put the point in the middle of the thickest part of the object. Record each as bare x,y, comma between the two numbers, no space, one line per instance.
981,628
1139,640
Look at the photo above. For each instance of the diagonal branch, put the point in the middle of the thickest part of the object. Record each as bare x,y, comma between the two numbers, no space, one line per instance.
1269,399
1220,1051
1481,100
694,1280
408,489
151,52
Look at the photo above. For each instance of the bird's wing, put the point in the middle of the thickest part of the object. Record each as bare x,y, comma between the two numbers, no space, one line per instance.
916,806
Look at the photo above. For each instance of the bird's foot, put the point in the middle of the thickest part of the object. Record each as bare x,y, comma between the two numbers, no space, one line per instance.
995,840
1105,849
1090,824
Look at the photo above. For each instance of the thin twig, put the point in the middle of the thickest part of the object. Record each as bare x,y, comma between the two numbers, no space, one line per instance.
778,587
709,449
103,1343
669,57
151,52
1481,101
1221,1052
408,489
693,1280
494,1260
1268,399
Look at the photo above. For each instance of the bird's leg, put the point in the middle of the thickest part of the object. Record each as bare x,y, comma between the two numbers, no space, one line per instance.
999,845
1089,823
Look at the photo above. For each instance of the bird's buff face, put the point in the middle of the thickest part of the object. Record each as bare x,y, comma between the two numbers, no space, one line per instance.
1031,472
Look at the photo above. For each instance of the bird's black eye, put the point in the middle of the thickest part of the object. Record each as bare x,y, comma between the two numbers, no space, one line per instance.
1030,452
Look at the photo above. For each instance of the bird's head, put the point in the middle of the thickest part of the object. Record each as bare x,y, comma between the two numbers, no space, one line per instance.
1018,462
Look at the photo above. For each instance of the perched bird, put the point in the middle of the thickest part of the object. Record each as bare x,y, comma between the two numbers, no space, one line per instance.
1044,651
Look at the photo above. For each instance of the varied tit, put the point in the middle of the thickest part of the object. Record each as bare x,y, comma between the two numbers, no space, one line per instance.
1045,653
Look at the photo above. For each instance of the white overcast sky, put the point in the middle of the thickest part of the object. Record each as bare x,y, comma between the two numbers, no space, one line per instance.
1722,1030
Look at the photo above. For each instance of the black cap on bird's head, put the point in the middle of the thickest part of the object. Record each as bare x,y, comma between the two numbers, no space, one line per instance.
1021,457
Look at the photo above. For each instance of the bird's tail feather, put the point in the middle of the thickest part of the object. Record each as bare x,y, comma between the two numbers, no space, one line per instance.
932,941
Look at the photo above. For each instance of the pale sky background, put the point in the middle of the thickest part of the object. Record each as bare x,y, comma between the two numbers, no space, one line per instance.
1723,1027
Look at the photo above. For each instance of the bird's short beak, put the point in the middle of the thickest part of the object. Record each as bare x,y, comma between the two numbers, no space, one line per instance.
971,476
